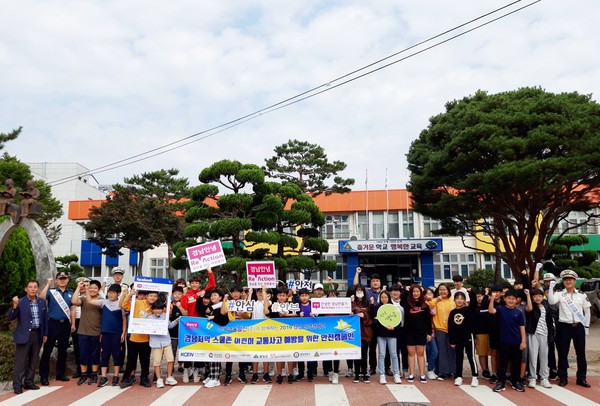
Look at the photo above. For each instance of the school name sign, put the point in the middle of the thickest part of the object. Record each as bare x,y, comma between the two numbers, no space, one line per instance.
290,339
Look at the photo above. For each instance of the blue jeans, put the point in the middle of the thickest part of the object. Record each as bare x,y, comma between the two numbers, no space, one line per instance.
431,352
446,355
389,342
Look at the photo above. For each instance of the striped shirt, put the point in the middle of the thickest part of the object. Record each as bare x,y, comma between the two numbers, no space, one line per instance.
542,327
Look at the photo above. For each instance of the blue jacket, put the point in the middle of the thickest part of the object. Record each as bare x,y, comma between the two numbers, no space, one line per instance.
25,319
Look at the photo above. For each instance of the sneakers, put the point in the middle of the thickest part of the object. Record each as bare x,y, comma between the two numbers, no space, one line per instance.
115,381
349,373
546,384
170,381
494,378
227,381
366,379
160,383
93,379
186,375
254,379
397,378
298,377
103,382
329,375
458,381
411,378
431,375
382,379
531,383
291,379
242,378
474,382
389,372
196,375
356,379
267,377
279,379
127,382
372,371
145,382
499,387
485,374
335,378
213,383
518,386
553,376
82,379
205,381
422,379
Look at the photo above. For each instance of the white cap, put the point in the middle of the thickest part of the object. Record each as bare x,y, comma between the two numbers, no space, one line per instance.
318,286
567,273
549,276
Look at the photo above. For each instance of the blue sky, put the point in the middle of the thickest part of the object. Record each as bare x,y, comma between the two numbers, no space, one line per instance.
99,81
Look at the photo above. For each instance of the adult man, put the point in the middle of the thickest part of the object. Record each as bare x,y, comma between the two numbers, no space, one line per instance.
30,196
372,295
573,324
31,314
61,323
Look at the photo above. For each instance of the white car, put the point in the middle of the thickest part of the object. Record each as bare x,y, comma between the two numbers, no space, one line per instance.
591,287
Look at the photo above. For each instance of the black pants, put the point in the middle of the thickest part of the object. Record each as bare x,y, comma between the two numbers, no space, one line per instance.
310,367
135,350
509,353
26,359
460,349
229,368
331,366
373,353
360,365
75,339
565,332
58,334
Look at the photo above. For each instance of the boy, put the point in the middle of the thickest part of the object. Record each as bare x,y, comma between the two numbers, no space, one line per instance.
460,336
138,344
177,311
483,320
540,332
282,299
306,311
161,346
260,312
512,339
236,294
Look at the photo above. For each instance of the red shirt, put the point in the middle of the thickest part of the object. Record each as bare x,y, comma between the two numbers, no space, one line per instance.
188,301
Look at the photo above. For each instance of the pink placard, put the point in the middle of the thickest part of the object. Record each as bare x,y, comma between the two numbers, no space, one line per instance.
205,256
261,273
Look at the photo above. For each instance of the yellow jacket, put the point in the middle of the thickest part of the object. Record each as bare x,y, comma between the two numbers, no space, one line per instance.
141,308
442,312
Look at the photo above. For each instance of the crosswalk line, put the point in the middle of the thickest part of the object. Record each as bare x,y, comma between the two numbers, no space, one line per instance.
177,395
565,396
408,394
330,395
486,396
253,395
30,396
99,397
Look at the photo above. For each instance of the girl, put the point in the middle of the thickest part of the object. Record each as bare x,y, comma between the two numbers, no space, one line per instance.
360,307
217,312
443,305
386,337
417,324
332,366
460,336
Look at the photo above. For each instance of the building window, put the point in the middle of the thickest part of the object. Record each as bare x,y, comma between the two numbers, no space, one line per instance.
93,271
574,218
378,225
363,226
336,227
408,224
159,267
429,226
393,226
447,265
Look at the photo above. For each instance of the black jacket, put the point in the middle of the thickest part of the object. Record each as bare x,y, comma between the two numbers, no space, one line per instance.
532,318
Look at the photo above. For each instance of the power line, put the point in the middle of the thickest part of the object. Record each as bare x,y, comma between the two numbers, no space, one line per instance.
315,91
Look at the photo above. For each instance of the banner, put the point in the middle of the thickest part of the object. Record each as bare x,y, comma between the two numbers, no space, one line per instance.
261,273
205,256
300,284
331,305
151,325
268,340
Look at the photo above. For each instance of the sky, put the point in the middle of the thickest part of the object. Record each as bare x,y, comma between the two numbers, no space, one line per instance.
100,81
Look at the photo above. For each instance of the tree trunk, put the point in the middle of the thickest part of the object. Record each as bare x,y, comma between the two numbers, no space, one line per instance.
171,271
498,267
140,265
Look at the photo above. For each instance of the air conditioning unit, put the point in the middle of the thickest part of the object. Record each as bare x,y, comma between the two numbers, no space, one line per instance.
354,237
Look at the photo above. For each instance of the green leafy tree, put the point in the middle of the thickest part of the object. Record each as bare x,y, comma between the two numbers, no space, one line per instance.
128,219
69,264
17,265
307,165
5,137
168,189
514,164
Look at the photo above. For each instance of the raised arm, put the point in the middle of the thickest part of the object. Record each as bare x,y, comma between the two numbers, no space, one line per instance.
44,291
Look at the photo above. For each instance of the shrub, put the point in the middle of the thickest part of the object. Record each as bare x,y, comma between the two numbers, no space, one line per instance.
7,356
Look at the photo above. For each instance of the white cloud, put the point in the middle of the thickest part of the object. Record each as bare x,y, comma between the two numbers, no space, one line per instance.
97,81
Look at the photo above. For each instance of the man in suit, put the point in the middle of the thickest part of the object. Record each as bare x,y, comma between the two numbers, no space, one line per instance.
31,314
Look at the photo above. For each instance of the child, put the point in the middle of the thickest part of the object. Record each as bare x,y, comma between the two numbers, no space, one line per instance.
332,366
540,332
460,336
259,312
417,324
443,305
177,310
236,294
431,349
282,299
512,339
161,346
306,311
138,344
360,307
386,338
114,332
483,320
218,313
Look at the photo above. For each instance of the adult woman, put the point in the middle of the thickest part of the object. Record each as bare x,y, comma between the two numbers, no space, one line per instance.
443,305
417,323
360,307
386,337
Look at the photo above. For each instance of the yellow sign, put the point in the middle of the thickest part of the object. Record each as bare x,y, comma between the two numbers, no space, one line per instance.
389,315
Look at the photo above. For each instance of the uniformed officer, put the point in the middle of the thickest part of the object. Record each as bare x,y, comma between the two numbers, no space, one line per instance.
61,324
573,324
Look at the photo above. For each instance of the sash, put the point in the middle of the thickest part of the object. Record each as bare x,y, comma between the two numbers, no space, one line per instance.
61,302
573,308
